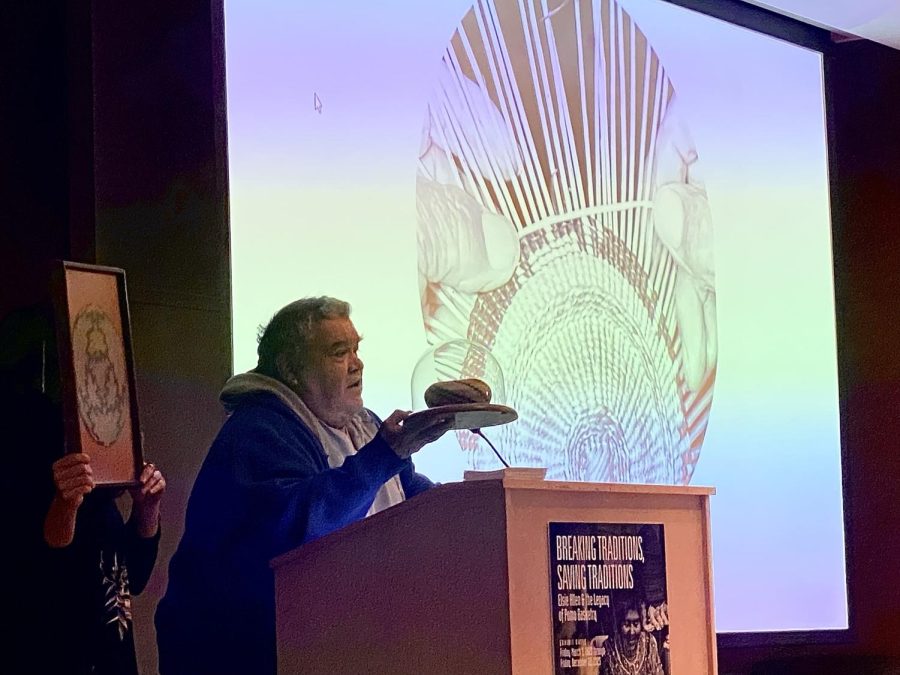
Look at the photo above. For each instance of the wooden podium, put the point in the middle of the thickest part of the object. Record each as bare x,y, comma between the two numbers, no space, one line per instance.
457,580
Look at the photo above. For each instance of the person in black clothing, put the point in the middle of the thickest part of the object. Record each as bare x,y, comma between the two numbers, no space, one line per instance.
99,562
72,563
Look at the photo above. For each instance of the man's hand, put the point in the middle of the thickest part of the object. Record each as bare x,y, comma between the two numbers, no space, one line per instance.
146,498
73,479
407,438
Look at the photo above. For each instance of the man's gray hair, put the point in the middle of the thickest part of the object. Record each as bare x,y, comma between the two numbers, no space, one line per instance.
288,332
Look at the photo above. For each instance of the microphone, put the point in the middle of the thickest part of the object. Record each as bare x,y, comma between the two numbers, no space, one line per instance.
477,432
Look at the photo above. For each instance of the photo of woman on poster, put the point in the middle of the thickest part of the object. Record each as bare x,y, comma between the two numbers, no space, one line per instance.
632,650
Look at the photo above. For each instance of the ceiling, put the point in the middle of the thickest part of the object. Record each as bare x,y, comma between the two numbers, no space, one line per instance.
877,20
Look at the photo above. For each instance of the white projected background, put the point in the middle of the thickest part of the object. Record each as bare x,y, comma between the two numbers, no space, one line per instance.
627,203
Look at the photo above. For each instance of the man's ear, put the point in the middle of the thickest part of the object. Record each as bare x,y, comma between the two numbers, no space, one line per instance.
286,371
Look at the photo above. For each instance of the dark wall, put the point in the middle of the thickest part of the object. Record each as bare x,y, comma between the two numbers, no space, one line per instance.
865,90
33,147
161,214
112,150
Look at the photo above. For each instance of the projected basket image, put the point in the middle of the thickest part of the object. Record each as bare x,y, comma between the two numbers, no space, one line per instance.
564,225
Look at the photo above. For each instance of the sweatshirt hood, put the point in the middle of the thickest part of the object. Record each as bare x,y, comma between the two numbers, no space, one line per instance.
250,384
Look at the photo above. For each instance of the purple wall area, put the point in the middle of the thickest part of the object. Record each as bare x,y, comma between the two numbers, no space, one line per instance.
112,150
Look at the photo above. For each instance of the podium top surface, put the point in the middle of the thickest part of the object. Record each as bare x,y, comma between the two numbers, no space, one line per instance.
520,479
570,486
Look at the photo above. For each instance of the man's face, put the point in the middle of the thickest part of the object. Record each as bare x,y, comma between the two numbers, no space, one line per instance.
331,381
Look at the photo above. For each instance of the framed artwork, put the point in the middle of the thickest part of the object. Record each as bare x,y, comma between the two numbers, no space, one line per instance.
97,370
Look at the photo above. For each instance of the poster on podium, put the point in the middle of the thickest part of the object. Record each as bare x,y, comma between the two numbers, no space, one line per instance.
608,599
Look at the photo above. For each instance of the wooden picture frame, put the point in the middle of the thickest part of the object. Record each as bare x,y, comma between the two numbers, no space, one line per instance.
96,367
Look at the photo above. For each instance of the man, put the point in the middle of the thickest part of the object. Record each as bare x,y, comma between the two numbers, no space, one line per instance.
298,458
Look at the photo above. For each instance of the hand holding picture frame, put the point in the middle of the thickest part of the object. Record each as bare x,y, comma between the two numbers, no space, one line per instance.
97,370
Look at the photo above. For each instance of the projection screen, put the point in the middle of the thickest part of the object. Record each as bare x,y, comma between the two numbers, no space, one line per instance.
625,203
